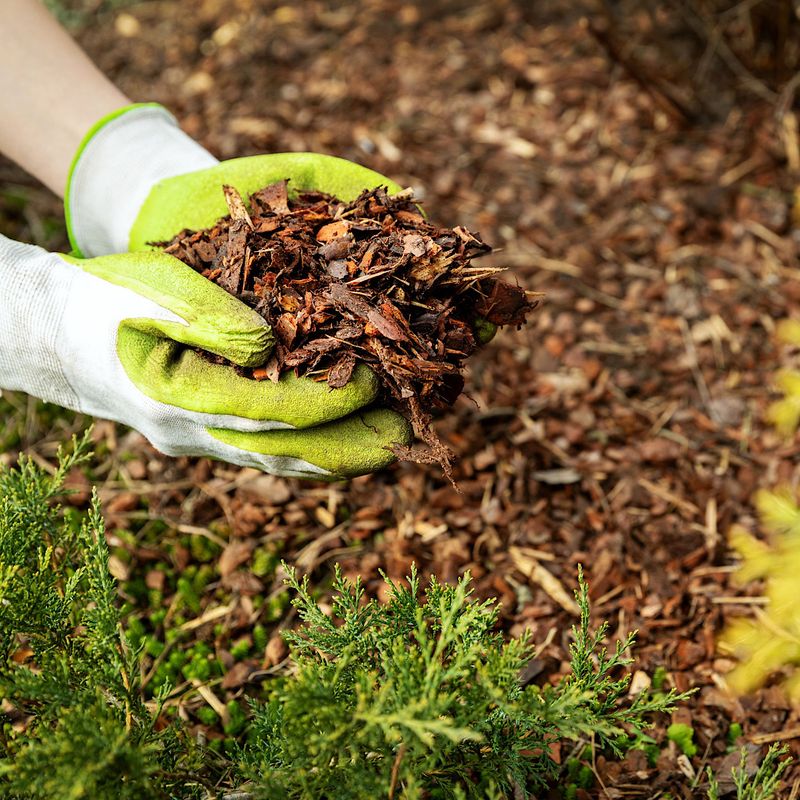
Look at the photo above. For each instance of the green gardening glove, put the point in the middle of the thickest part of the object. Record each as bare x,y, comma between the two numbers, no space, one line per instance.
141,173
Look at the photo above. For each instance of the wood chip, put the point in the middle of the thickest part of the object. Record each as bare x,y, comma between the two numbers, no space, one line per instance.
535,572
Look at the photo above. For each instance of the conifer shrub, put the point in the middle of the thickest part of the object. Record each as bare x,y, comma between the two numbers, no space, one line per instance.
73,722
417,697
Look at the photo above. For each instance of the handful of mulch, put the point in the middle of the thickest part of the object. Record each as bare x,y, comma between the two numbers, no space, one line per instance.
368,281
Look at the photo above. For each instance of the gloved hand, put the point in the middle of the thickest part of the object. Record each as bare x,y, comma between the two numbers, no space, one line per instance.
105,336
137,178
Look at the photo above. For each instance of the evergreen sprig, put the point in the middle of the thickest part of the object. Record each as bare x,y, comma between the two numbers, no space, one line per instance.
760,785
421,697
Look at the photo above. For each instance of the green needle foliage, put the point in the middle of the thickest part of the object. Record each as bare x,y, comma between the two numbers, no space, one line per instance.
762,785
75,725
420,698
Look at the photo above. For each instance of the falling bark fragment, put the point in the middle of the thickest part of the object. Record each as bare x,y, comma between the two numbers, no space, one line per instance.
368,281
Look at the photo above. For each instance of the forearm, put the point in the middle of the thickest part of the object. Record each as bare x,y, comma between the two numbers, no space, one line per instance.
50,92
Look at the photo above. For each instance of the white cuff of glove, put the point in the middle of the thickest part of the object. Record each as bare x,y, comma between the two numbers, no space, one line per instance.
119,162
35,289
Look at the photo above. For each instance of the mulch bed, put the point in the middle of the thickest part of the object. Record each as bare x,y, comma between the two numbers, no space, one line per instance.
622,430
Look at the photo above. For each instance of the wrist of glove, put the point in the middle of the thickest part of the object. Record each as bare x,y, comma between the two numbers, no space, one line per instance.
119,161
116,337
137,178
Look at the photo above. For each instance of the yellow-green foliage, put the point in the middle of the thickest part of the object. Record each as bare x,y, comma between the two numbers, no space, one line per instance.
784,414
771,641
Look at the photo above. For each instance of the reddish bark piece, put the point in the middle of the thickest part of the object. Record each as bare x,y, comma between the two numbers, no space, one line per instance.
274,197
286,328
333,231
340,373
342,297
311,350
205,251
410,217
233,257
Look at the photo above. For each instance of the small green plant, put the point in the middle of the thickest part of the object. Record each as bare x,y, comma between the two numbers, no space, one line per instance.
683,736
734,732
659,678
762,785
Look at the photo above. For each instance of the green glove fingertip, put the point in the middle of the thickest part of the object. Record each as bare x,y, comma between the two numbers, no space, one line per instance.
216,321
347,448
169,373
195,200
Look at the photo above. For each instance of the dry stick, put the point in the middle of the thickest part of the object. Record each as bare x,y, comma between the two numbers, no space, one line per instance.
699,378
127,684
727,56
396,770
777,736
661,91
